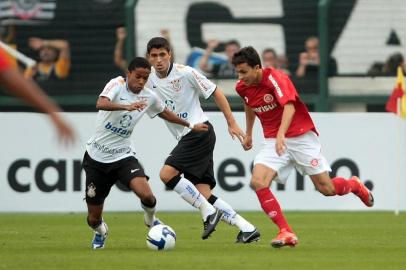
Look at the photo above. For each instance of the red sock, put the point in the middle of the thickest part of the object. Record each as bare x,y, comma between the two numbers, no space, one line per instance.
344,186
272,208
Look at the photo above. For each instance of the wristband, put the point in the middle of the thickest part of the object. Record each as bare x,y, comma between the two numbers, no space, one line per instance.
191,125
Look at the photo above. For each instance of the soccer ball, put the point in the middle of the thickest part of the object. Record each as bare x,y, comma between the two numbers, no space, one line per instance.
161,237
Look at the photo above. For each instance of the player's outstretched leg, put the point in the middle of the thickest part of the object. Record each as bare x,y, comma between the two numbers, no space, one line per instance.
343,186
363,192
100,233
211,216
248,233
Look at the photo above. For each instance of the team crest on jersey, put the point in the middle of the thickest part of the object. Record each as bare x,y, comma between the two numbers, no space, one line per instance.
176,85
91,190
314,163
268,98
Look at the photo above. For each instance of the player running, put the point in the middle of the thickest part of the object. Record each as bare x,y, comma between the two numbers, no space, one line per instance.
291,140
189,168
110,155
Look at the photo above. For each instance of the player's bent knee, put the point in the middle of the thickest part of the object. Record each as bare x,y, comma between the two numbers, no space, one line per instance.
257,183
167,173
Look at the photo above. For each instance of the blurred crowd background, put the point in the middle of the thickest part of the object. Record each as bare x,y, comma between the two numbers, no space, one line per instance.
342,55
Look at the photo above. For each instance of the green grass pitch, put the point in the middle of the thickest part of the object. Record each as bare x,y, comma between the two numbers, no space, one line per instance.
328,240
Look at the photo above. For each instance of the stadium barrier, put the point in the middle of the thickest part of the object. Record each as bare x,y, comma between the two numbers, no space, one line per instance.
40,175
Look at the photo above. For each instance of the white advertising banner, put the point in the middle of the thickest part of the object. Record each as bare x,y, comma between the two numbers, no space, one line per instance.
39,174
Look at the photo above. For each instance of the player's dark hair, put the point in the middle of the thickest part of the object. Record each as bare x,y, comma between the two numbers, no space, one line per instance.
139,62
157,43
247,55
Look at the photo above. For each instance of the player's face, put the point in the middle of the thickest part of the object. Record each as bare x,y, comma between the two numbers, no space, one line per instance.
159,59
248,74
137,78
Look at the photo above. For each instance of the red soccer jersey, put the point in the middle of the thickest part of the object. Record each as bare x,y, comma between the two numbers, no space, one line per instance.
4,63
267,99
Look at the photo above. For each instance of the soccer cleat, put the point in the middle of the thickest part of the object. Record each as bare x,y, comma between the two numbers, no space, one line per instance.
211,223
364,193
98,240
248,237
156,222
285,238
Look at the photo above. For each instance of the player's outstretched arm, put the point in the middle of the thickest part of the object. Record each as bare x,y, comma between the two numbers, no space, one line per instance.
30,92
173,118
105,104
222,103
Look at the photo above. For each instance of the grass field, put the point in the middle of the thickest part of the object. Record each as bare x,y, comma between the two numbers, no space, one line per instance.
328,240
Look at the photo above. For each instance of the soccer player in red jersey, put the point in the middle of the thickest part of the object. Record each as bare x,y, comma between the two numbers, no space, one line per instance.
28,91
291,140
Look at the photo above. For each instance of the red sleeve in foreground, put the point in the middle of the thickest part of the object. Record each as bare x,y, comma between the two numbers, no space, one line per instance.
4,62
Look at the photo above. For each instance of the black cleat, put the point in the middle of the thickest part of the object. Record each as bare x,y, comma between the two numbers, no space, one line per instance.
211,223
248,237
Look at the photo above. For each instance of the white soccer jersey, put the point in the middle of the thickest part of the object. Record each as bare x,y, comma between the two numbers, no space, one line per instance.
180,92
111,140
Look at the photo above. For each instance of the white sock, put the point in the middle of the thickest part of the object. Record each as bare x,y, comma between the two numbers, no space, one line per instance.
232,218
190,194
102,228
149,214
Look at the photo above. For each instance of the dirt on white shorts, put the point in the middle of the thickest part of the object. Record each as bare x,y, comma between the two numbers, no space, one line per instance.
303,153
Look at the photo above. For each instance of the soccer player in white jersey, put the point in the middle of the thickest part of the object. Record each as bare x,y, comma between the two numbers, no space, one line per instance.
110,155
189,168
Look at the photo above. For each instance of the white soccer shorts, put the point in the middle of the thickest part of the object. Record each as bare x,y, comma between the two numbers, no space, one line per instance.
302,152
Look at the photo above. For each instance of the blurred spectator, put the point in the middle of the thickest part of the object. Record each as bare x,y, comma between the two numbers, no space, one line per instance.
309,60
121,35
28,91
54,60
223,70
375,69
389,68
269,58
119,60
282,63
391,65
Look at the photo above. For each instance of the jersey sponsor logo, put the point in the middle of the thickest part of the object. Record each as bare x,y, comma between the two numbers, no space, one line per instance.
265,108
199,81
123,98
268,98
105,149
134,170
276,85
122,132
246,99
176,85
182,115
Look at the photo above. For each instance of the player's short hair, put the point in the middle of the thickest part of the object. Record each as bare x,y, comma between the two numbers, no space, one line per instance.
157,43
139,62
247,55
